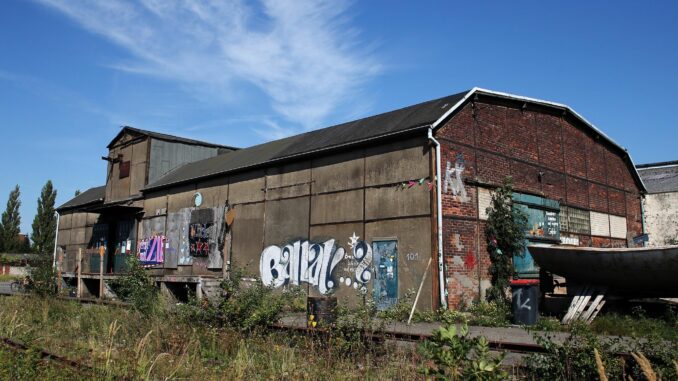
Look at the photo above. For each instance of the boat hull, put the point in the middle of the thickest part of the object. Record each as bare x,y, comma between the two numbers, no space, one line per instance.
642,272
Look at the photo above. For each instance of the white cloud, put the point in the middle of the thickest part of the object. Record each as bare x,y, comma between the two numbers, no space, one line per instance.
302,54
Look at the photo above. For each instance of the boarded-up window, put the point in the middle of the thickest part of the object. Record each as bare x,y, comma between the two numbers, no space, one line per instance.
575,220
124,169
617,227
600,224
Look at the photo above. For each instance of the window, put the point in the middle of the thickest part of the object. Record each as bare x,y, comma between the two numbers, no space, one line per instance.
575,220
124,169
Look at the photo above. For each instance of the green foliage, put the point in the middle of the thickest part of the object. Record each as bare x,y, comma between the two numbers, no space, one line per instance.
245,306
639,324
350,335
454,355
136,287
505,235
484,314
249,306
11,223
574,358
44,223
43,280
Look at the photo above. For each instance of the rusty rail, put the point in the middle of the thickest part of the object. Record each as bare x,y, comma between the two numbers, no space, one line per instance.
46,355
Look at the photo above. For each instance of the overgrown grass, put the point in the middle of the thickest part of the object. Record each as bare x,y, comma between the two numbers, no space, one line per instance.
638,324
127,343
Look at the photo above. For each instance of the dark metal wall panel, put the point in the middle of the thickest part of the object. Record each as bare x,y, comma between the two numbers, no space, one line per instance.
166,156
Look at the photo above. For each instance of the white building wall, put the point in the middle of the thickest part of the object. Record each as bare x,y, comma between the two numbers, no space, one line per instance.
661,218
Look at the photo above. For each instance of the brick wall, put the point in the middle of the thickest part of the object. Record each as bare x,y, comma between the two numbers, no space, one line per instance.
547,154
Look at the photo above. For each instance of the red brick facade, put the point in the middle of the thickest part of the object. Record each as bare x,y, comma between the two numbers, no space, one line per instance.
548,153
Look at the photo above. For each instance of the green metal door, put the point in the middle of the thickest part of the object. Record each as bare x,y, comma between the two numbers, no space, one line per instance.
543,226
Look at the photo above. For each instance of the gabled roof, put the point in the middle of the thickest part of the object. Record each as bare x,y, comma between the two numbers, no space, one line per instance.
165,137
378,126
660,177
87,198
432,114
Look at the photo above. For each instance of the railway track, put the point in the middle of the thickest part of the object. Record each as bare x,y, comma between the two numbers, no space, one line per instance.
17,346
519,348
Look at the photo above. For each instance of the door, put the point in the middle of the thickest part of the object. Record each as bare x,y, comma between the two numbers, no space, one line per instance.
543,226
385,290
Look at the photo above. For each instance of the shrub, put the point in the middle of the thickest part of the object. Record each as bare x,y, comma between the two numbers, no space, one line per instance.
505,235
453,355
574,358
136,287
42,278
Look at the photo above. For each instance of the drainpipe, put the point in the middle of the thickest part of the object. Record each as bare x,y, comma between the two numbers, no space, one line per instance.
439,206
56,239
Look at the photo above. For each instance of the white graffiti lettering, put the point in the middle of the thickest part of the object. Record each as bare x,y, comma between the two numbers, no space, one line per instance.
314,263
453,181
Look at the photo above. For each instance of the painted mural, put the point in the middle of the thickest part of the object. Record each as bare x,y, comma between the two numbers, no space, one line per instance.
315,264
152,250
191,233
453,181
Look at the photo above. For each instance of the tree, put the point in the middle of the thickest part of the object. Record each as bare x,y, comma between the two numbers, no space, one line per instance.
505,235
11,221
44,223
77,192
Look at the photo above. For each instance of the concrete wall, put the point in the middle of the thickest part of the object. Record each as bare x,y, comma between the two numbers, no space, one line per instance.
358,193
546,155
661,218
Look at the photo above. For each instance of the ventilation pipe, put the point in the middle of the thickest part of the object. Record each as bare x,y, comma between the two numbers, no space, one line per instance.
439,214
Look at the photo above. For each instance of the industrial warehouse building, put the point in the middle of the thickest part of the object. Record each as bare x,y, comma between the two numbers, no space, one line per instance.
356,208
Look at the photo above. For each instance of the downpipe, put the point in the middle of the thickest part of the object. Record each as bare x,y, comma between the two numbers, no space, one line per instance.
56,239
439,205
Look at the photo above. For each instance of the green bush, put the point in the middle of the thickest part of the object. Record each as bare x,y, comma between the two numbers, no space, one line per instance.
453,355
574,358
136,287
42,278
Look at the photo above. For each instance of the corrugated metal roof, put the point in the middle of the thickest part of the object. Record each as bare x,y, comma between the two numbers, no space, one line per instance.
90,196
389,123
166,137
431,113
660,177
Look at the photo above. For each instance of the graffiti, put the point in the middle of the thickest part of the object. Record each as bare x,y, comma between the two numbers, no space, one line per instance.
301,261
469,260
152,250
199,239
453,181
457,242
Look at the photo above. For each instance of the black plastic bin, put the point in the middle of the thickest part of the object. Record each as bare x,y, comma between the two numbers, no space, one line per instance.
525,301
321,311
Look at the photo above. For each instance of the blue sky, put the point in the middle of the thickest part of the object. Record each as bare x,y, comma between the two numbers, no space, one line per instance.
242,72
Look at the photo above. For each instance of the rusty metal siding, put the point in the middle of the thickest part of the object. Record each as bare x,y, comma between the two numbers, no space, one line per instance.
166,156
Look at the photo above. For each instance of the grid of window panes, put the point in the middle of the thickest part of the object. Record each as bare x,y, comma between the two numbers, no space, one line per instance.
575,220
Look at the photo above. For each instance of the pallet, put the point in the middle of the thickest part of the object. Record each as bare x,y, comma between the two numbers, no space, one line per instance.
586,304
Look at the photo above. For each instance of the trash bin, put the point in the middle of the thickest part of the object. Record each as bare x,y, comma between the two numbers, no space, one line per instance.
321,311
525,301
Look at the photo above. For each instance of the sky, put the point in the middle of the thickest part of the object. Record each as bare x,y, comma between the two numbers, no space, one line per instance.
239,73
